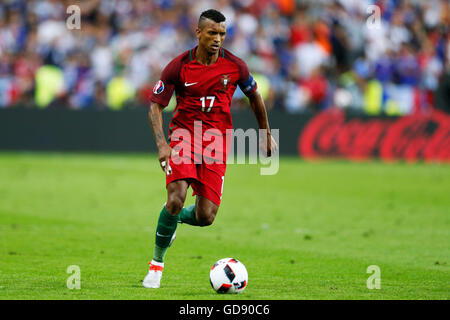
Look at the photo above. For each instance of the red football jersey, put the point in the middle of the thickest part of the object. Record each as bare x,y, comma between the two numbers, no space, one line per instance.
203,93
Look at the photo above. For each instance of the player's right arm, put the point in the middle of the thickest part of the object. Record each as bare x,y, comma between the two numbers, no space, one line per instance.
156,124
162,92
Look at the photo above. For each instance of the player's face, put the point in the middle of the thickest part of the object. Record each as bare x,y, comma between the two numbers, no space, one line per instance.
211,35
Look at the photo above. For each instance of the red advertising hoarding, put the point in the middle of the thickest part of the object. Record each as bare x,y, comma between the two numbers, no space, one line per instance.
411,138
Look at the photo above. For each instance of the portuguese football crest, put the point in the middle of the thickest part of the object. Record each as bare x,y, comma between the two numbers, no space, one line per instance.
225,81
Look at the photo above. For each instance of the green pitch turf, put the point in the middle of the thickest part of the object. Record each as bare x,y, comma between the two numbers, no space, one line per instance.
309,232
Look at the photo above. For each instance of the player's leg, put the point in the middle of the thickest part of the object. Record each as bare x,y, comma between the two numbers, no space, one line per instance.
187,215
168,218
205,211
201,214
165,230
208,188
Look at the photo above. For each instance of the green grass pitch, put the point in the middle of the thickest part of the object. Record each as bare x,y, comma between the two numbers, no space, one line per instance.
309,232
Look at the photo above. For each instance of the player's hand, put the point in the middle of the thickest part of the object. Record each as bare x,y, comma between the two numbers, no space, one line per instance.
164,154
268,145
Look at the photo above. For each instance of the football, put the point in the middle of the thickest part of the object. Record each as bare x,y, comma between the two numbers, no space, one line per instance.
228,275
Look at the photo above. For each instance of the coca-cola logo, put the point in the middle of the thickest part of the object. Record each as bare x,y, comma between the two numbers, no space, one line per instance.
412,138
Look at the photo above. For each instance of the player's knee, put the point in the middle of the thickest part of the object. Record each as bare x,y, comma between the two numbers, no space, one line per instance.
174,205
206,221
206,218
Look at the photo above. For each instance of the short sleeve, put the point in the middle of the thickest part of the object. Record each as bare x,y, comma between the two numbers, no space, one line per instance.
163,89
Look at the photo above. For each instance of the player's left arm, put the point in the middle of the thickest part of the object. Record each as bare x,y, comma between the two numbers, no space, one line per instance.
250,89
267,142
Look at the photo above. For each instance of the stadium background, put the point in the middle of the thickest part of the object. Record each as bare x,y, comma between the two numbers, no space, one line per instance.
307,57
334,85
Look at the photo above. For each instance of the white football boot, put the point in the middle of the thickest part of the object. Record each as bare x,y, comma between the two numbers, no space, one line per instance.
154,275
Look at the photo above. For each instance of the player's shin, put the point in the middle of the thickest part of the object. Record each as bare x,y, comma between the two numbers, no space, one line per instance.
167,224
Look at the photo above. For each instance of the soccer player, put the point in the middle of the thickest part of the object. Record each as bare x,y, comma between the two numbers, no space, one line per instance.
204,79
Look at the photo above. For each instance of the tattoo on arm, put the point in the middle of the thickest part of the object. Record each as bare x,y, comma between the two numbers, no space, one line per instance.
155,118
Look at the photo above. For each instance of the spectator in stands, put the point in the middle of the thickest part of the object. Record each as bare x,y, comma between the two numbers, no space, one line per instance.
309,55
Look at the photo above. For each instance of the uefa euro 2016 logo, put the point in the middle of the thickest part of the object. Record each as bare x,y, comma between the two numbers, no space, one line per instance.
159,87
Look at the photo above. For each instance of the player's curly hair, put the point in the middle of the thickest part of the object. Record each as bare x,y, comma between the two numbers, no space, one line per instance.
212,14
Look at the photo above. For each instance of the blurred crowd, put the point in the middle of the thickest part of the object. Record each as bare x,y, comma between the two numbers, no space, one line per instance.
305,55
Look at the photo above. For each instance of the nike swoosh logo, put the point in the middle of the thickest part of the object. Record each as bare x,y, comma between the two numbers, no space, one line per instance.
190,84
161,235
